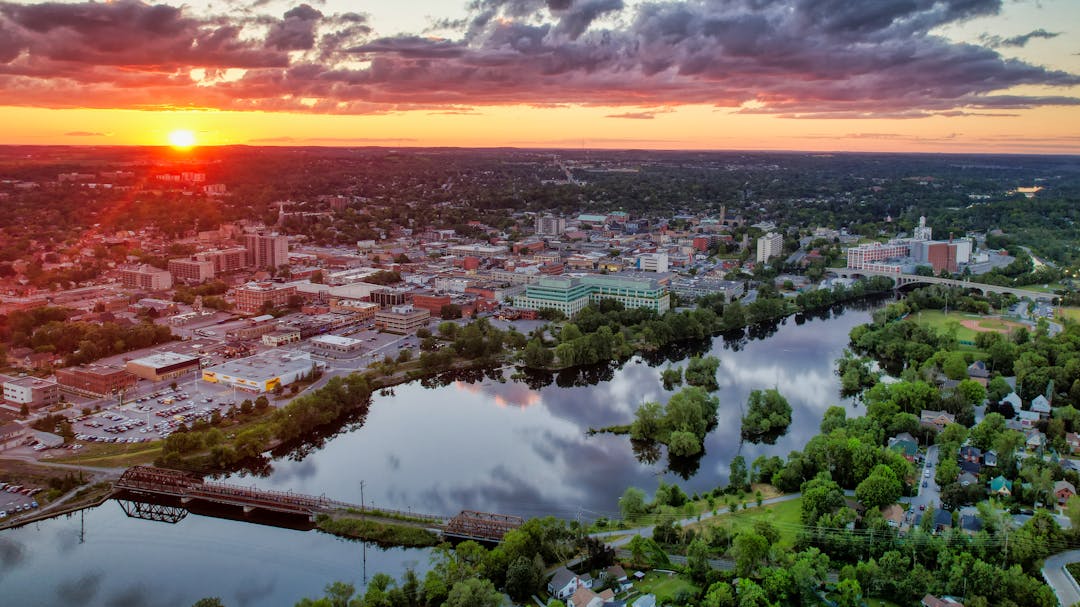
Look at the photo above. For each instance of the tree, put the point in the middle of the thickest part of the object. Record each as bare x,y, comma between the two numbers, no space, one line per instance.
881,488
749,549
997,389
768,414
211,601
632,503
738,475
971,391
697,560
719,595
848,593
450,311
521,579
684,444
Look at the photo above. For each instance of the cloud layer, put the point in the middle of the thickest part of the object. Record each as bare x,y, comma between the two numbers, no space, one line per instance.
803,58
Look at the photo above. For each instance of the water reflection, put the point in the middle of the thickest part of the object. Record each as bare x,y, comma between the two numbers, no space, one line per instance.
478,441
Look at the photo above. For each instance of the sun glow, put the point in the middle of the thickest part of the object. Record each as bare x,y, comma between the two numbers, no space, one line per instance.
182,139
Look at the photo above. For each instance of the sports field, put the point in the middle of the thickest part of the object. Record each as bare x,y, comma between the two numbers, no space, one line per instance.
967,326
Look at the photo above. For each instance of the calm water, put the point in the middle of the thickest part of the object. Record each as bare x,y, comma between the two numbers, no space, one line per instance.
498,446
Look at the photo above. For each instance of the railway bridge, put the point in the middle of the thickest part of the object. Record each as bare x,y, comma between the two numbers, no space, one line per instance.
188,488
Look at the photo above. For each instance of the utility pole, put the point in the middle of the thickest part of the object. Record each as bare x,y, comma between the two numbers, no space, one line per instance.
362,507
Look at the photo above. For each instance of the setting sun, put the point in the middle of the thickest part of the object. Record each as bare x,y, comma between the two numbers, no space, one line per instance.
182,139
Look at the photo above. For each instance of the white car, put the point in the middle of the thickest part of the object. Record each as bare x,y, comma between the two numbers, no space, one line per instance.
926,474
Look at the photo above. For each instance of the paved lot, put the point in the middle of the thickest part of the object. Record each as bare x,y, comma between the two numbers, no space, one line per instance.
11,503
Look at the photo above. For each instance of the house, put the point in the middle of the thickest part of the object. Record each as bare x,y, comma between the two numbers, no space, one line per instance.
1073,439
1064,490
970,523
1040,405
1013,399
1035,440
563,583
990,459
1001,486
967,478
617,575
971,454
978,371
945,601
905,445
1028,419
584,597
11,435
942,520
936,419
971,467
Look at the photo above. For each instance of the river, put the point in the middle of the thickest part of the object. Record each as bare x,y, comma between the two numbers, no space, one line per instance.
495,445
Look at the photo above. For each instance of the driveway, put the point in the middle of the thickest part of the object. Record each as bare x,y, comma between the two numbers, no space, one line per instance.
1068,593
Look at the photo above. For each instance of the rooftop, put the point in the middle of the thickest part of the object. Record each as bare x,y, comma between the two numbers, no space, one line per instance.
263,367
164,359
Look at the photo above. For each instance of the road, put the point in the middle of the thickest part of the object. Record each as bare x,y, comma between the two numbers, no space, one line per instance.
930,495
1053,571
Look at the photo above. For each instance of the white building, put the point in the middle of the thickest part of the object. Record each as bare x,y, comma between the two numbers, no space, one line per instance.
263,373
653,262
769,246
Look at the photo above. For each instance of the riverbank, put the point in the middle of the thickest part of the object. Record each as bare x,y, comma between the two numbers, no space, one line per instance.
382,531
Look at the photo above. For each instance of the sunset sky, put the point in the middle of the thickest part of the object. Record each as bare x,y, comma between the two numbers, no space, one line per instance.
889,75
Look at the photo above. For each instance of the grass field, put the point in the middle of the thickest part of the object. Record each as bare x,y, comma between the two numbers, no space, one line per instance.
664,586
1072,314
785,515
943,323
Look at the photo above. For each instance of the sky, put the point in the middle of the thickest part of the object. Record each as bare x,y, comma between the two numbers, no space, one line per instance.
818,75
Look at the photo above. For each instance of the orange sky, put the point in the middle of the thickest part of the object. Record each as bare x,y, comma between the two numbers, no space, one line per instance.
390,87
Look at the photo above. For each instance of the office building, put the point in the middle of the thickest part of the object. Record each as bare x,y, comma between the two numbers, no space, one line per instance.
335,344
653,262
570,295
866,256
402,319
769,246
267,251
280,337
163,366
147,278
191,270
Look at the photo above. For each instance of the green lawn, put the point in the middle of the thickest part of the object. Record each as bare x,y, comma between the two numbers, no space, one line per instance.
787,516
1070,313
880,603
664,586
943,323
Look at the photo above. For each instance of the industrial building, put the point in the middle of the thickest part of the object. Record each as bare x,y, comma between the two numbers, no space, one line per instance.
95,380
263,373
163,366
33,392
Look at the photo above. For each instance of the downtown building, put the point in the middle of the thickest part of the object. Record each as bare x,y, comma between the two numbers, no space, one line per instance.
251,297
769,246
266,250
33,392
191,270
95,380
225,261
146,278
571,294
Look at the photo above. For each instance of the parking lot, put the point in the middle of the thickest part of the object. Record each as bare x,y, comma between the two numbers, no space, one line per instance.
15,499
157,414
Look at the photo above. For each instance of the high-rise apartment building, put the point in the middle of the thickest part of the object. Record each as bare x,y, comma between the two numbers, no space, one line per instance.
225,260
769,246
191,270
267,250
549,225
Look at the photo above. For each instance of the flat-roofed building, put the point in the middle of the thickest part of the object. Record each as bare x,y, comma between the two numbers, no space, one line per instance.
251,297
769,246
281,337
254,328
570,295
364,310
95,380
263,373
336,344
191,270
402,319
12,435
146,277
479,250
225,260
267,250
33,392
387,298
163,366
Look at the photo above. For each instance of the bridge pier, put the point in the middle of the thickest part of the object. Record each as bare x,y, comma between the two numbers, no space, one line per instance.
249,509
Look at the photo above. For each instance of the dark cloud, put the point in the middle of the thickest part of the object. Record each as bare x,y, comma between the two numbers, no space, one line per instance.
81,590
806,58
1017,41
296,32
